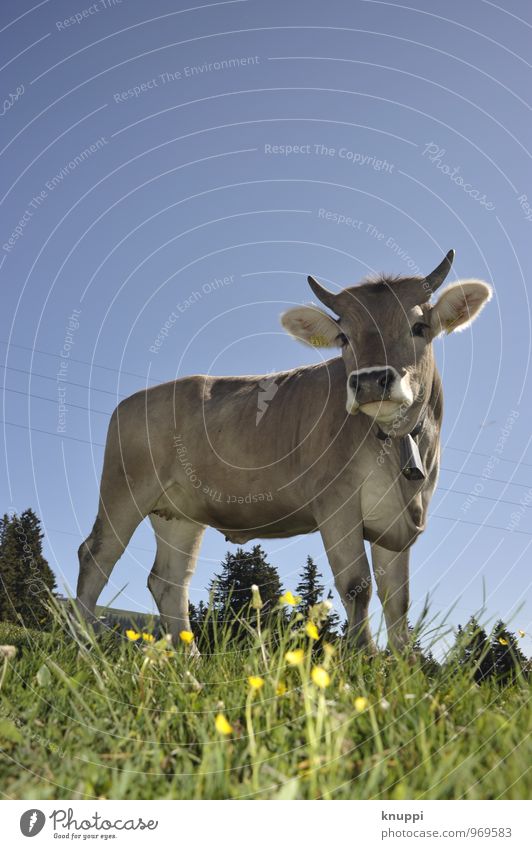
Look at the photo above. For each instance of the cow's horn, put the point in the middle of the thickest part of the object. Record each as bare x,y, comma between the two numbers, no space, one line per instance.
326,297
436,277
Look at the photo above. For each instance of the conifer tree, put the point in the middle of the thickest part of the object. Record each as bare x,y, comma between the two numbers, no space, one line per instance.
26,577
508,659
311,591
230,590
309,588
473,650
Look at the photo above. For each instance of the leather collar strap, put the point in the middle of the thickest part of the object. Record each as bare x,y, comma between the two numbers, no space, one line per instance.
411,462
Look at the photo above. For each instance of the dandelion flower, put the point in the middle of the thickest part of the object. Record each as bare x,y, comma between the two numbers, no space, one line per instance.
361,704
186,637
9,652
312,631
503,642
280,690
222,725
521,633
132,635
148,638
320,677
290,599
255,682
256,600
295,657
328,649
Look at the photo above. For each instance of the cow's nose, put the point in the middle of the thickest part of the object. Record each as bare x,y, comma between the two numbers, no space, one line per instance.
371,384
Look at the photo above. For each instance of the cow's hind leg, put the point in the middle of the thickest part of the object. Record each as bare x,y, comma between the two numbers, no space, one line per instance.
178,543
99,553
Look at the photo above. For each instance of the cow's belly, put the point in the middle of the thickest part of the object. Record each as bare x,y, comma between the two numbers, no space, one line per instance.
390,517
239,517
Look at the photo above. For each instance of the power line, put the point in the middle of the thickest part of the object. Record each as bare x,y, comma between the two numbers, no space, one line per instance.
105,413
54,401
481,525
434,515
82,362
49,433
88,442
156,379
474,494
56,380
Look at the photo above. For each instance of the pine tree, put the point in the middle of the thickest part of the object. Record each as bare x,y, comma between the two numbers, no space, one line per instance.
508,659
27,579
231,589
473,650
333,625
311,590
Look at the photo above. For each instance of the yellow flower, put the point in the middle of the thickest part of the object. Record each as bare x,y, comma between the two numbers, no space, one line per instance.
255,682
321,677
521,633
290,599
328,649
503,642
295,657
312,631
361,704
222,725
186,637
280,690
132,635
148,638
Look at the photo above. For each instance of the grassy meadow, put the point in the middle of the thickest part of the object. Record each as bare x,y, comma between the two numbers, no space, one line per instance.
272,716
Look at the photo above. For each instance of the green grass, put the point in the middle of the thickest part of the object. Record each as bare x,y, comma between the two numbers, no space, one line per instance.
107,718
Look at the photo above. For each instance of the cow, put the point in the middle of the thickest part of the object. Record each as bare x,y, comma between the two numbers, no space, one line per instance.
349,447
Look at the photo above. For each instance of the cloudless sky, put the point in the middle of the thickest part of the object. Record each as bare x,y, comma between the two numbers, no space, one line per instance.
411,120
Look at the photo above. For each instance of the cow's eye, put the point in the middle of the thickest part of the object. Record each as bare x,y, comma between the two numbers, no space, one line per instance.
342,339
418,329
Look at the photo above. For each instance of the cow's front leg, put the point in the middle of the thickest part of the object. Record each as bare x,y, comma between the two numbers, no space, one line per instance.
347,557
391,574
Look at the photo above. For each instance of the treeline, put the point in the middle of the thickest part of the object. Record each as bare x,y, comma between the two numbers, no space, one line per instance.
27,583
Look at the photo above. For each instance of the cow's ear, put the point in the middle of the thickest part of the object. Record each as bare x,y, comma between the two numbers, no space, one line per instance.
312,326
459,305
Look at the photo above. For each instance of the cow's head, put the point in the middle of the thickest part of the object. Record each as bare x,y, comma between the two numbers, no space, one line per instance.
385,329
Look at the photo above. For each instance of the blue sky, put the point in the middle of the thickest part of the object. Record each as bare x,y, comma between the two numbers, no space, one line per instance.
149,151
